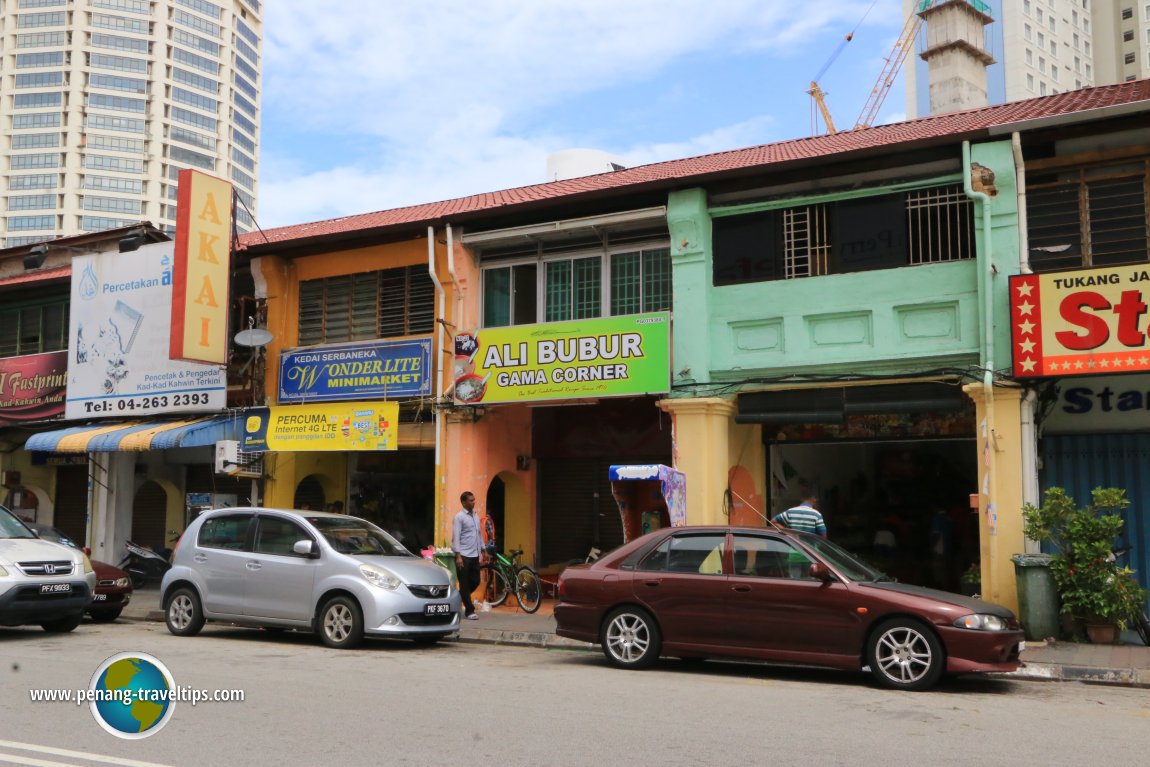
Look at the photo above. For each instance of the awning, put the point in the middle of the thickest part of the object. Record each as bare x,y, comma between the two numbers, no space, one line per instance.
137,435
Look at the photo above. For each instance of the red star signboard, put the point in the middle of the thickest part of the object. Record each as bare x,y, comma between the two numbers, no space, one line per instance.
1085,322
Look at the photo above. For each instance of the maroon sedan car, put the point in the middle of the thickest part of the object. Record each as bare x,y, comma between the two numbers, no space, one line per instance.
777,595
113,586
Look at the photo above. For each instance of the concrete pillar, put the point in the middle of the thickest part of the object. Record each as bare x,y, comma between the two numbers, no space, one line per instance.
1001,481
701,430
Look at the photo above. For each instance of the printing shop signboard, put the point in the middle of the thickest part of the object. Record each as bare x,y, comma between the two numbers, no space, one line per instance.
607,357
119,336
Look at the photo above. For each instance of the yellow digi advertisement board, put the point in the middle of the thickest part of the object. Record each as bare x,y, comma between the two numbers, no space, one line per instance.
602,357
335,426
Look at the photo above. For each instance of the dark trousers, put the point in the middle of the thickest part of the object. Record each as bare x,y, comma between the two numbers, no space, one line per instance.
468,582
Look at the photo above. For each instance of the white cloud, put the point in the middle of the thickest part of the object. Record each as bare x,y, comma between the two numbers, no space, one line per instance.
372,105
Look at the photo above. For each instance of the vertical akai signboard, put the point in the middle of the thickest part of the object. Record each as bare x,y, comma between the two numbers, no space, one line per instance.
118,341
200,274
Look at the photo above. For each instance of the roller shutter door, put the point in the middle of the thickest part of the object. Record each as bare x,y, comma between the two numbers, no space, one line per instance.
71,514
571,518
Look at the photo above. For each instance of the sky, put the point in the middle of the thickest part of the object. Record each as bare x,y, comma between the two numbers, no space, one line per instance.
377,104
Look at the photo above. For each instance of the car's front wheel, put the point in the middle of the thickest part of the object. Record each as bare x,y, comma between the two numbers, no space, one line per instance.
630,638
341,623
62,625
905,654
106,616
184,616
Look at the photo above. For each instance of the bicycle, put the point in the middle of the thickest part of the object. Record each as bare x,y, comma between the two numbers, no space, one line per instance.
1139,622
500,572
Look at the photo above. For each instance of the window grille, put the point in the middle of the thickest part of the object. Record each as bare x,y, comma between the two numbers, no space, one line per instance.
941,225
806,241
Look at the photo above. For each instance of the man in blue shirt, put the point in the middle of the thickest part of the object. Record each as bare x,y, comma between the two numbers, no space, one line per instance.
467,543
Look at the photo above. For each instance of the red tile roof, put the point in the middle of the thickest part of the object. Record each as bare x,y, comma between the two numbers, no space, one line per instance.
953,126
35,276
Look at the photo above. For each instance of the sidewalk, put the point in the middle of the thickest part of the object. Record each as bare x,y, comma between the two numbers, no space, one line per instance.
1126,664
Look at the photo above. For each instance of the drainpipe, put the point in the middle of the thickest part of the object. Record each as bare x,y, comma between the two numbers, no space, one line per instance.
1020,194
985,276
1030,489
985,282
457,315
438,370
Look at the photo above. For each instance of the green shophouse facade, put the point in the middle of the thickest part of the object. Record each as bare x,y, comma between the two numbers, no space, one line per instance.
853,312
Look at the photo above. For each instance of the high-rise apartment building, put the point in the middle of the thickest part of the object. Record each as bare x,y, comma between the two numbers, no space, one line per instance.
1048,46
103,102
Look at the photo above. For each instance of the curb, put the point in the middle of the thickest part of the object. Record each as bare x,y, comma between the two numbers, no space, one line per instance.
471,635
521,638
1030,671
1054,672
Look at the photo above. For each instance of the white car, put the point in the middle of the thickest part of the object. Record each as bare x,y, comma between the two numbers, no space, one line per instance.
41,582
338,575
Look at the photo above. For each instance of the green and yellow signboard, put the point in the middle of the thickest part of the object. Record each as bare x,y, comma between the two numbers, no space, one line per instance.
307,428
607,357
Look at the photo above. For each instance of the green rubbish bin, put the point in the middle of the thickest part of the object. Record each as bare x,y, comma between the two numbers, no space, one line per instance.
1037,596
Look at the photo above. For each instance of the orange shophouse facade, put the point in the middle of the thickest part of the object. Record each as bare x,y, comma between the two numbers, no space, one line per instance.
330,300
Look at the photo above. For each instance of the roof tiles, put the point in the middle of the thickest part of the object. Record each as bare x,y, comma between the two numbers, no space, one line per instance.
728,162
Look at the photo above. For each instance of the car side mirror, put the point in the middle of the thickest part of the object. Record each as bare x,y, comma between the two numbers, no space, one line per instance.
820,572
307,548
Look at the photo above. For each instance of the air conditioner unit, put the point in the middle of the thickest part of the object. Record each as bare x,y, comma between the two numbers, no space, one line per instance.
230,461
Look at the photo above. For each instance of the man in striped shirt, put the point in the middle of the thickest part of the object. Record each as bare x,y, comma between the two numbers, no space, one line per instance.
804,518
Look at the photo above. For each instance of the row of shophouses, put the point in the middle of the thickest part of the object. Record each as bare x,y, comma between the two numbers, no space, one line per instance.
928,320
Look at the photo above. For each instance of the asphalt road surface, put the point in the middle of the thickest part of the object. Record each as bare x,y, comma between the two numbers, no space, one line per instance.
392,703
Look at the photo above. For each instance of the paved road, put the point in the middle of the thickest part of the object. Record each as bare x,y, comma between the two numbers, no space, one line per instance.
392,703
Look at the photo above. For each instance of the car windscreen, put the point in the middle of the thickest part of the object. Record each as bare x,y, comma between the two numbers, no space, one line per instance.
11,527
52,534
349,535
842,560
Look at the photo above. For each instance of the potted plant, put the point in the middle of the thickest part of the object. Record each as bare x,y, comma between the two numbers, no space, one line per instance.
1092,587
970,581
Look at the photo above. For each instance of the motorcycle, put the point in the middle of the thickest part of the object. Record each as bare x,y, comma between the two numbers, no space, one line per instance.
143,565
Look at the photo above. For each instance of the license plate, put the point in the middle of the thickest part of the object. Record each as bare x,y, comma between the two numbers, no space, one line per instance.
56,588
437,609
100,598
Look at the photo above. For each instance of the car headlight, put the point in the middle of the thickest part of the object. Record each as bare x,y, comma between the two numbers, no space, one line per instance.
121,582
981,622
88,565
377,576
3,572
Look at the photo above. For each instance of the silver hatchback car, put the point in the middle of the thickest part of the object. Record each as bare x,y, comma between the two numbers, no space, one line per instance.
340,576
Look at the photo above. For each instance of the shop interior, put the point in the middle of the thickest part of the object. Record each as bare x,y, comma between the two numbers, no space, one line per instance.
396,490
901,505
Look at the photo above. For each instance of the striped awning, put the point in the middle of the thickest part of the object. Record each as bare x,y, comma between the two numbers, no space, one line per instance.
137,435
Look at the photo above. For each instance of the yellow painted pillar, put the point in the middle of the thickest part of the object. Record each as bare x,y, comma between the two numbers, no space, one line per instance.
1000,488
701,433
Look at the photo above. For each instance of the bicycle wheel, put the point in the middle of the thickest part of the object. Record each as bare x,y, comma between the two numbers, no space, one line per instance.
1142,626
495,585
528,589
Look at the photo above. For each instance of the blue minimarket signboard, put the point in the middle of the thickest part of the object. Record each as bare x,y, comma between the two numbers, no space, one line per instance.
375,370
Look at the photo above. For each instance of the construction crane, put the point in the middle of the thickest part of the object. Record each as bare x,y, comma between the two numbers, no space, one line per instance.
893,63
818,95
